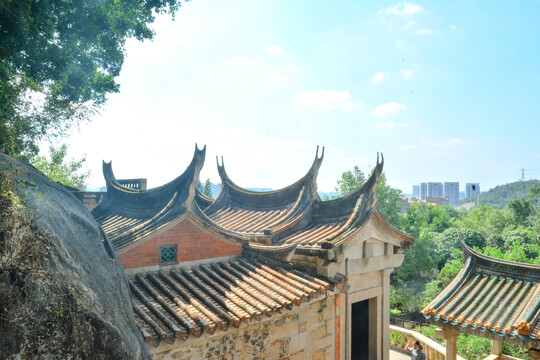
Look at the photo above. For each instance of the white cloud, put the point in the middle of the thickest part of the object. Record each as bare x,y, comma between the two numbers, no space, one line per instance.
276,77
394,125
538,155
379,77
273,49
388,109
402,9
455,28
243,60
425,32
400,44
409,24
347,105
324,99
407,73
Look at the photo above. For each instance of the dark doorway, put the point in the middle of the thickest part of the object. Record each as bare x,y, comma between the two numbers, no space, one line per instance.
360,330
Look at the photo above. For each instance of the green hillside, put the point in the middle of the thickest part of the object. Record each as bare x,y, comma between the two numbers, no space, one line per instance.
500,195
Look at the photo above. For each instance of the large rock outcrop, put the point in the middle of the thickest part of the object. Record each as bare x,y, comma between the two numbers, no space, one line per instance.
63,293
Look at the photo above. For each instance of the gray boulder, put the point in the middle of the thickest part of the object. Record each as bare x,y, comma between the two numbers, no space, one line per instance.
63,293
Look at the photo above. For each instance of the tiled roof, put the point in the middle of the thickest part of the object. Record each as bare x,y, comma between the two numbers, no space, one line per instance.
292,215
490,297
180,303
329,223
127,215
255,212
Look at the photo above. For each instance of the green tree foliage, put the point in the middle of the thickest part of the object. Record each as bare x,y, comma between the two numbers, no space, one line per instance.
56,167
520,210
408,281
60,58
350,181
534,197
206,189
500,195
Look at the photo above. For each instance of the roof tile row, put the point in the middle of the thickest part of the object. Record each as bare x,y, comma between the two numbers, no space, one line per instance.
181,303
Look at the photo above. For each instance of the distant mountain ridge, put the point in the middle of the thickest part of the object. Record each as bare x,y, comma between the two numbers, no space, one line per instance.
501,195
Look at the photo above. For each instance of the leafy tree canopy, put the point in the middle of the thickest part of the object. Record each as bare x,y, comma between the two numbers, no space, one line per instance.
59,59
206,189
56,167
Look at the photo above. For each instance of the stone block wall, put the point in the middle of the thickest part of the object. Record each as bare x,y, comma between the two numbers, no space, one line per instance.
307,332
192,244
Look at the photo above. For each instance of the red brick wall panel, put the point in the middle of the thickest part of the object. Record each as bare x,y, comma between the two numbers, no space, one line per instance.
193,244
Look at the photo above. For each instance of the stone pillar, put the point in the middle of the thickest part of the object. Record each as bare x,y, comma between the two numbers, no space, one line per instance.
450,336
385,318
496,347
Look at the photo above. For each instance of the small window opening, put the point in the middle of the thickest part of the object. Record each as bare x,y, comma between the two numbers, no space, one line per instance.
168,254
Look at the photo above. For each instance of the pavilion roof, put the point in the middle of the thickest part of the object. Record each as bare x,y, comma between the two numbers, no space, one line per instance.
491,298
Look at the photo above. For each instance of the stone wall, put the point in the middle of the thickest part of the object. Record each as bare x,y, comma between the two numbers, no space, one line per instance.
305,332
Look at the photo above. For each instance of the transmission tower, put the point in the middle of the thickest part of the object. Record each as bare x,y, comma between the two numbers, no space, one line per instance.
522,174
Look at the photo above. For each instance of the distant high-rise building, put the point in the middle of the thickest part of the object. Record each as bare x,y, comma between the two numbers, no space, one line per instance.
451,191
423,191
472,189
435,189
416,191
461,195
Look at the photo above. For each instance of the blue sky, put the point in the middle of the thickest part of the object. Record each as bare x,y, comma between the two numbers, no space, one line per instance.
448,91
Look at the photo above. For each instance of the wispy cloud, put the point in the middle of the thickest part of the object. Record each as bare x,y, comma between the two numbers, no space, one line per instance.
380,76
407,73
402,9
400,44
425,32
455,28
273,49
324,99
276,77
389,109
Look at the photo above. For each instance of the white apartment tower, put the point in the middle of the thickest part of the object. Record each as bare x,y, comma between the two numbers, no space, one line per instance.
451,191
471,190
423,191
435,189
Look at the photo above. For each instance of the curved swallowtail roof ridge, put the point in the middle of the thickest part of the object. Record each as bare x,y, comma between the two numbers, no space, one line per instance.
127,214
202,200
331,222
254,212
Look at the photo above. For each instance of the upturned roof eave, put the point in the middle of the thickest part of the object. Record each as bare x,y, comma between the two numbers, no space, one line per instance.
235,194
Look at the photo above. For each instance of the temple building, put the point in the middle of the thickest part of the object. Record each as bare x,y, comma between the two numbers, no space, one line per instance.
490,298
269,275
